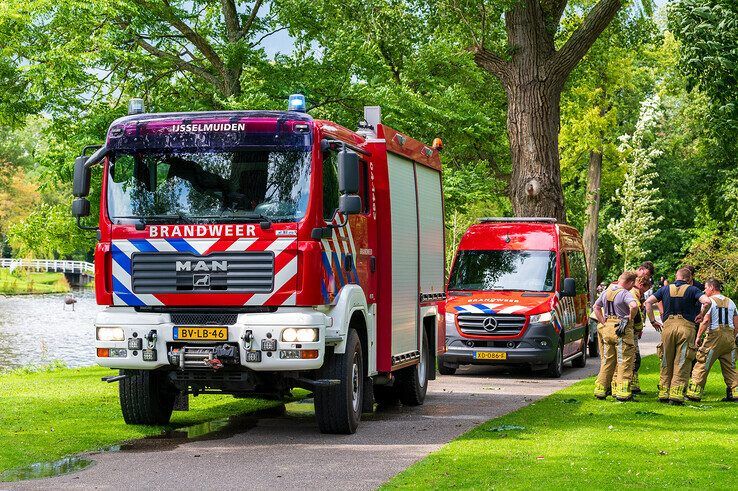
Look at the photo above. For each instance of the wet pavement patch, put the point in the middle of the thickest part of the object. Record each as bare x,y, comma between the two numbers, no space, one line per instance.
46,469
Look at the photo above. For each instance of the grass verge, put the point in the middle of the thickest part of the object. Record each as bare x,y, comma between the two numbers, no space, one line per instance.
50,413
22,282
570,440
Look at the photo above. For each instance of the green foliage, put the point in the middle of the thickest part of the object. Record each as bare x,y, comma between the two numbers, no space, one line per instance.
708,33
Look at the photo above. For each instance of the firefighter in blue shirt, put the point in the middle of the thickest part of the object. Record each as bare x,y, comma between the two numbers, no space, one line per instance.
682,309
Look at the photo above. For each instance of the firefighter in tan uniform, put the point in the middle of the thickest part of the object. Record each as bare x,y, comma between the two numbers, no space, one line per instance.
616,338
677,350
720,323
642,285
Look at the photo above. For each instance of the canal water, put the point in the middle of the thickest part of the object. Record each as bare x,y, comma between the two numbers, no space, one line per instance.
40,329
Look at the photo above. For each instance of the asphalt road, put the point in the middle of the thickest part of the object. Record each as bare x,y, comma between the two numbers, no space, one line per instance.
287,451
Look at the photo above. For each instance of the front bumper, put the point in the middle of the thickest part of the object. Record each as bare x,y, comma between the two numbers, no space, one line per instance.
537,346
262,326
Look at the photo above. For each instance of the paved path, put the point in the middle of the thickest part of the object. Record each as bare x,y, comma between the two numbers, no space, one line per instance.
287,452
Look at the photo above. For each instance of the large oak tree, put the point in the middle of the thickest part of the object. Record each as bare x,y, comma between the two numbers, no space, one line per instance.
520,44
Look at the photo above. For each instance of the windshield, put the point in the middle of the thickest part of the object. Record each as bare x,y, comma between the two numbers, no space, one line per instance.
191,186
504,270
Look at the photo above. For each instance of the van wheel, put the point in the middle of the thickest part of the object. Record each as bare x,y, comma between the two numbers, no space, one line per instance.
146,397
581,361
338,408
556,368
414,380
444,370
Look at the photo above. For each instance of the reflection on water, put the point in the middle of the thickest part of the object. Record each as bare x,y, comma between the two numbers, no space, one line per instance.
36,329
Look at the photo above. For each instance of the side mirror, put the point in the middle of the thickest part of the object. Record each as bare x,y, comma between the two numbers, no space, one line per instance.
349,204
81,186
80,208
348,172
570,288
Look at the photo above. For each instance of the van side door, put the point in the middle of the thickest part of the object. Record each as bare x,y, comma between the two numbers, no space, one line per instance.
578,271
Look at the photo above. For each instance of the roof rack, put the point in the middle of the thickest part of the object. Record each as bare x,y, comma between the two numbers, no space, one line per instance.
517,219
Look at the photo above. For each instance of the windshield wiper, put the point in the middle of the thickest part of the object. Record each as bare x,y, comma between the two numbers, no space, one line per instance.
146,220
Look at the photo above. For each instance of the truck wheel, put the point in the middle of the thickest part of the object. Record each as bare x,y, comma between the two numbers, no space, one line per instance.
338,408
146,397
414,380
386,395
556,368
581,361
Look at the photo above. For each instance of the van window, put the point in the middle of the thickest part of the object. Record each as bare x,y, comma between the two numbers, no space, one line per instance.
578,270
504,270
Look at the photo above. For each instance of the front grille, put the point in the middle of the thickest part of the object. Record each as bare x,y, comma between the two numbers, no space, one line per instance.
203,319
497,325
251,272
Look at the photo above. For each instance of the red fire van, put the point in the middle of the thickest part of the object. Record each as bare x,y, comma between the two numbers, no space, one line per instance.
517,294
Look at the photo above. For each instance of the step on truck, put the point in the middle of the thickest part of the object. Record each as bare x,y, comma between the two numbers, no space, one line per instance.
517,295
253,252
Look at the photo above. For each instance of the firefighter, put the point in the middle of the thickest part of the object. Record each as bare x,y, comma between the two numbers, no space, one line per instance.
616,338
720,322
681,303
642,285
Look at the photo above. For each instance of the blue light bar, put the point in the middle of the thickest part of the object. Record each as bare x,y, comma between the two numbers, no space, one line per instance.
296,103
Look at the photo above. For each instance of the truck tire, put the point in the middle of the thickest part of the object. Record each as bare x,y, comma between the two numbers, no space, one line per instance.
146,397
413,381
386,395
556,368
581,361
338,407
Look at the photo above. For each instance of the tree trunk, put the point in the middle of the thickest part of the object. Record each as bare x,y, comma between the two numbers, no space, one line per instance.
594,176
533,129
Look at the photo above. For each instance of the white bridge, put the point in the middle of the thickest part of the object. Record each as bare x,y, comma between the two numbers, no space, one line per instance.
81,268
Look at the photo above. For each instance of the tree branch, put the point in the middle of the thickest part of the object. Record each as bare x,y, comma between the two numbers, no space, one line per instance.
168,13
565,59
491,62
178,62
252,17
230,14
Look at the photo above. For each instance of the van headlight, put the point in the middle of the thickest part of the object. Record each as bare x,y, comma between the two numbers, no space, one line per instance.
110,334
543,318
450,324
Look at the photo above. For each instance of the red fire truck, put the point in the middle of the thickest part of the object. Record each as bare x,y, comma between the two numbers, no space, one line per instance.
251,252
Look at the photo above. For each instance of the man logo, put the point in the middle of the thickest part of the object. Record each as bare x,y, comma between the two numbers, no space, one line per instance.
200,280
489,324
201,266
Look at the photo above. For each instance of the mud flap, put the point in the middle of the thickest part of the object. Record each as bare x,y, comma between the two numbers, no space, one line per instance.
367,402
182,402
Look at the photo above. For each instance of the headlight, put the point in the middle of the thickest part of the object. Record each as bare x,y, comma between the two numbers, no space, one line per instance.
541,318
291,335
110,334
307,335
450,324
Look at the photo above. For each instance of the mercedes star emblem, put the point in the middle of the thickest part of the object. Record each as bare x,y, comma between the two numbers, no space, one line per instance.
489,324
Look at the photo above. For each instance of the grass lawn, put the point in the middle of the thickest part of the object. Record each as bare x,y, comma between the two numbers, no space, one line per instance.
570,440
21,282
52,413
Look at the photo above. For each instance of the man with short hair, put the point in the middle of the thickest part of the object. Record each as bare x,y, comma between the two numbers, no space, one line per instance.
646,269
616,338
695,282
721,323
681,309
